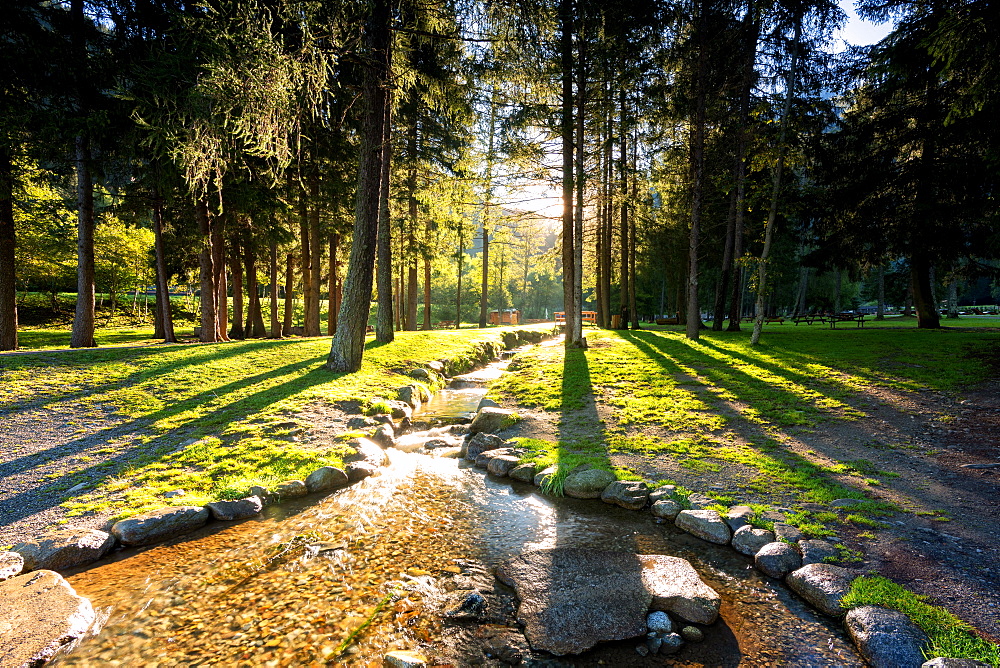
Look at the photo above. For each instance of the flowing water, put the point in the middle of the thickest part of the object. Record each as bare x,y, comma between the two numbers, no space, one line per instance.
299,585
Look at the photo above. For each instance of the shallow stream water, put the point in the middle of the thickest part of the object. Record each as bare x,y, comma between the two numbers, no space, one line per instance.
291,587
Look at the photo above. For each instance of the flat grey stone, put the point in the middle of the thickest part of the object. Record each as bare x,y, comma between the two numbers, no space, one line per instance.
64,549
523,472
777,559
748,540
291,489
502,465
666,508
542,476
487,403
630,494
174,493
11,564
492,420
39,613
700,501
738,517
885,638
677,588
230,511
817,551
156,526
705,524
587,484
787,533
326,478
823,586
662,492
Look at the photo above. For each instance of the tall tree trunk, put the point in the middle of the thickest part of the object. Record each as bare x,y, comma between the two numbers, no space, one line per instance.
800,297
923,293
209,318
581,169
332,305
221,289
837,289
384,315
623,272
952,297
273,290
347,348
311,325
411,289
427,293
697,177
255,319
568,236
236,271
722,289
461,270
286,322
162,284
633,314
772,212
880,309
305,257
83,321
8,283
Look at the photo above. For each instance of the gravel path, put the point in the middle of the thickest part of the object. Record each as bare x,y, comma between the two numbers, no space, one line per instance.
50,453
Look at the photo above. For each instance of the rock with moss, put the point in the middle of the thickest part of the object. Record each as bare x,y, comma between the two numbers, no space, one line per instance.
823,586
491,420
159,525
384,435
630,494
64,549
777,559
502,465
40,613
588,483
705,524
817,552
542,477
523,472
326,478
787,533
749,540
410,395
291,489
885,638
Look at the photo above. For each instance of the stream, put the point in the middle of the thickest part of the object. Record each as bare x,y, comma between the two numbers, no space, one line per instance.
290,587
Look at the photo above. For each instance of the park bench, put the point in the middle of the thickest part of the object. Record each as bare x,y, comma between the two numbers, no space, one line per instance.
808,318
446,324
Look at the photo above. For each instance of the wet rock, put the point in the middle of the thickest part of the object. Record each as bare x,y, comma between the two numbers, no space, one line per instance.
777,559
465,604
587,483
705,524
817,551
943,662
159,525
405,659
845,503
666,508
502,466
659,622
360,423
366,451
523,472
229,511
823,586
400,409
677,588
662,492
11,564
291,489
420,374
748,540
630,494
410,395
672,643
700,501
885,638
692,634
64,549
262,494
543,476
480,443
738,517
572,599
642,650
384,435
653,643
491,420
787,533
487,403
326,478
39,613
360,470
435,443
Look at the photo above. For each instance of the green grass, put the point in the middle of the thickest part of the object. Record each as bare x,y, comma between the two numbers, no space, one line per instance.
949,636
208,418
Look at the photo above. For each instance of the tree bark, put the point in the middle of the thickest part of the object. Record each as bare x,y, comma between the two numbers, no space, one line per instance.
236,271
8,284
209,318
347,348
273,290
315,260
255,319
286,323
697,178
880,309
219,278
427,293
332,301
923,293
568,236
84,320
162,284
580,185
623,271
384,316
305,256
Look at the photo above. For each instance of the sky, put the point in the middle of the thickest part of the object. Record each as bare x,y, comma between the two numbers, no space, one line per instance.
859,32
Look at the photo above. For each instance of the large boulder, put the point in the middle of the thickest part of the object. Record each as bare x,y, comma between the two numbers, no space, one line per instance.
630,494
665,508
64,549
410,395
502,465
705,524
39,613
326,478
11,564
587,484
738,517
885,638
240,509
748,540
491,420
777,559
479,443
823,586
291,489
677,588
384,435
360,470
572,599
523,472
159,525
787,533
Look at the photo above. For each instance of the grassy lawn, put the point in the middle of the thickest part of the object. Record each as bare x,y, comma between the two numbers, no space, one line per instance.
211,419
716,402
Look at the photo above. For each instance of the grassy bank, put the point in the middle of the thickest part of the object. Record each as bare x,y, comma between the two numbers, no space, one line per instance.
211,419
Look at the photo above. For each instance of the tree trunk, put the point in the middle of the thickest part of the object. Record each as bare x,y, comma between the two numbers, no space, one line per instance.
461,269
305,257
209,318
623,272
286,323
581,168
311,324
800,300
568,236
8,284
697,179
427,293
162,284
332,304
953,297
347,348
923,293
236,271
83,321
411,289
772,213
273,290
484,296
255,320
219,277
384,315
837,290
880,310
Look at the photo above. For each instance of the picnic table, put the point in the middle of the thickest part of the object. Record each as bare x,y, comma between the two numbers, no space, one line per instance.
834,318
